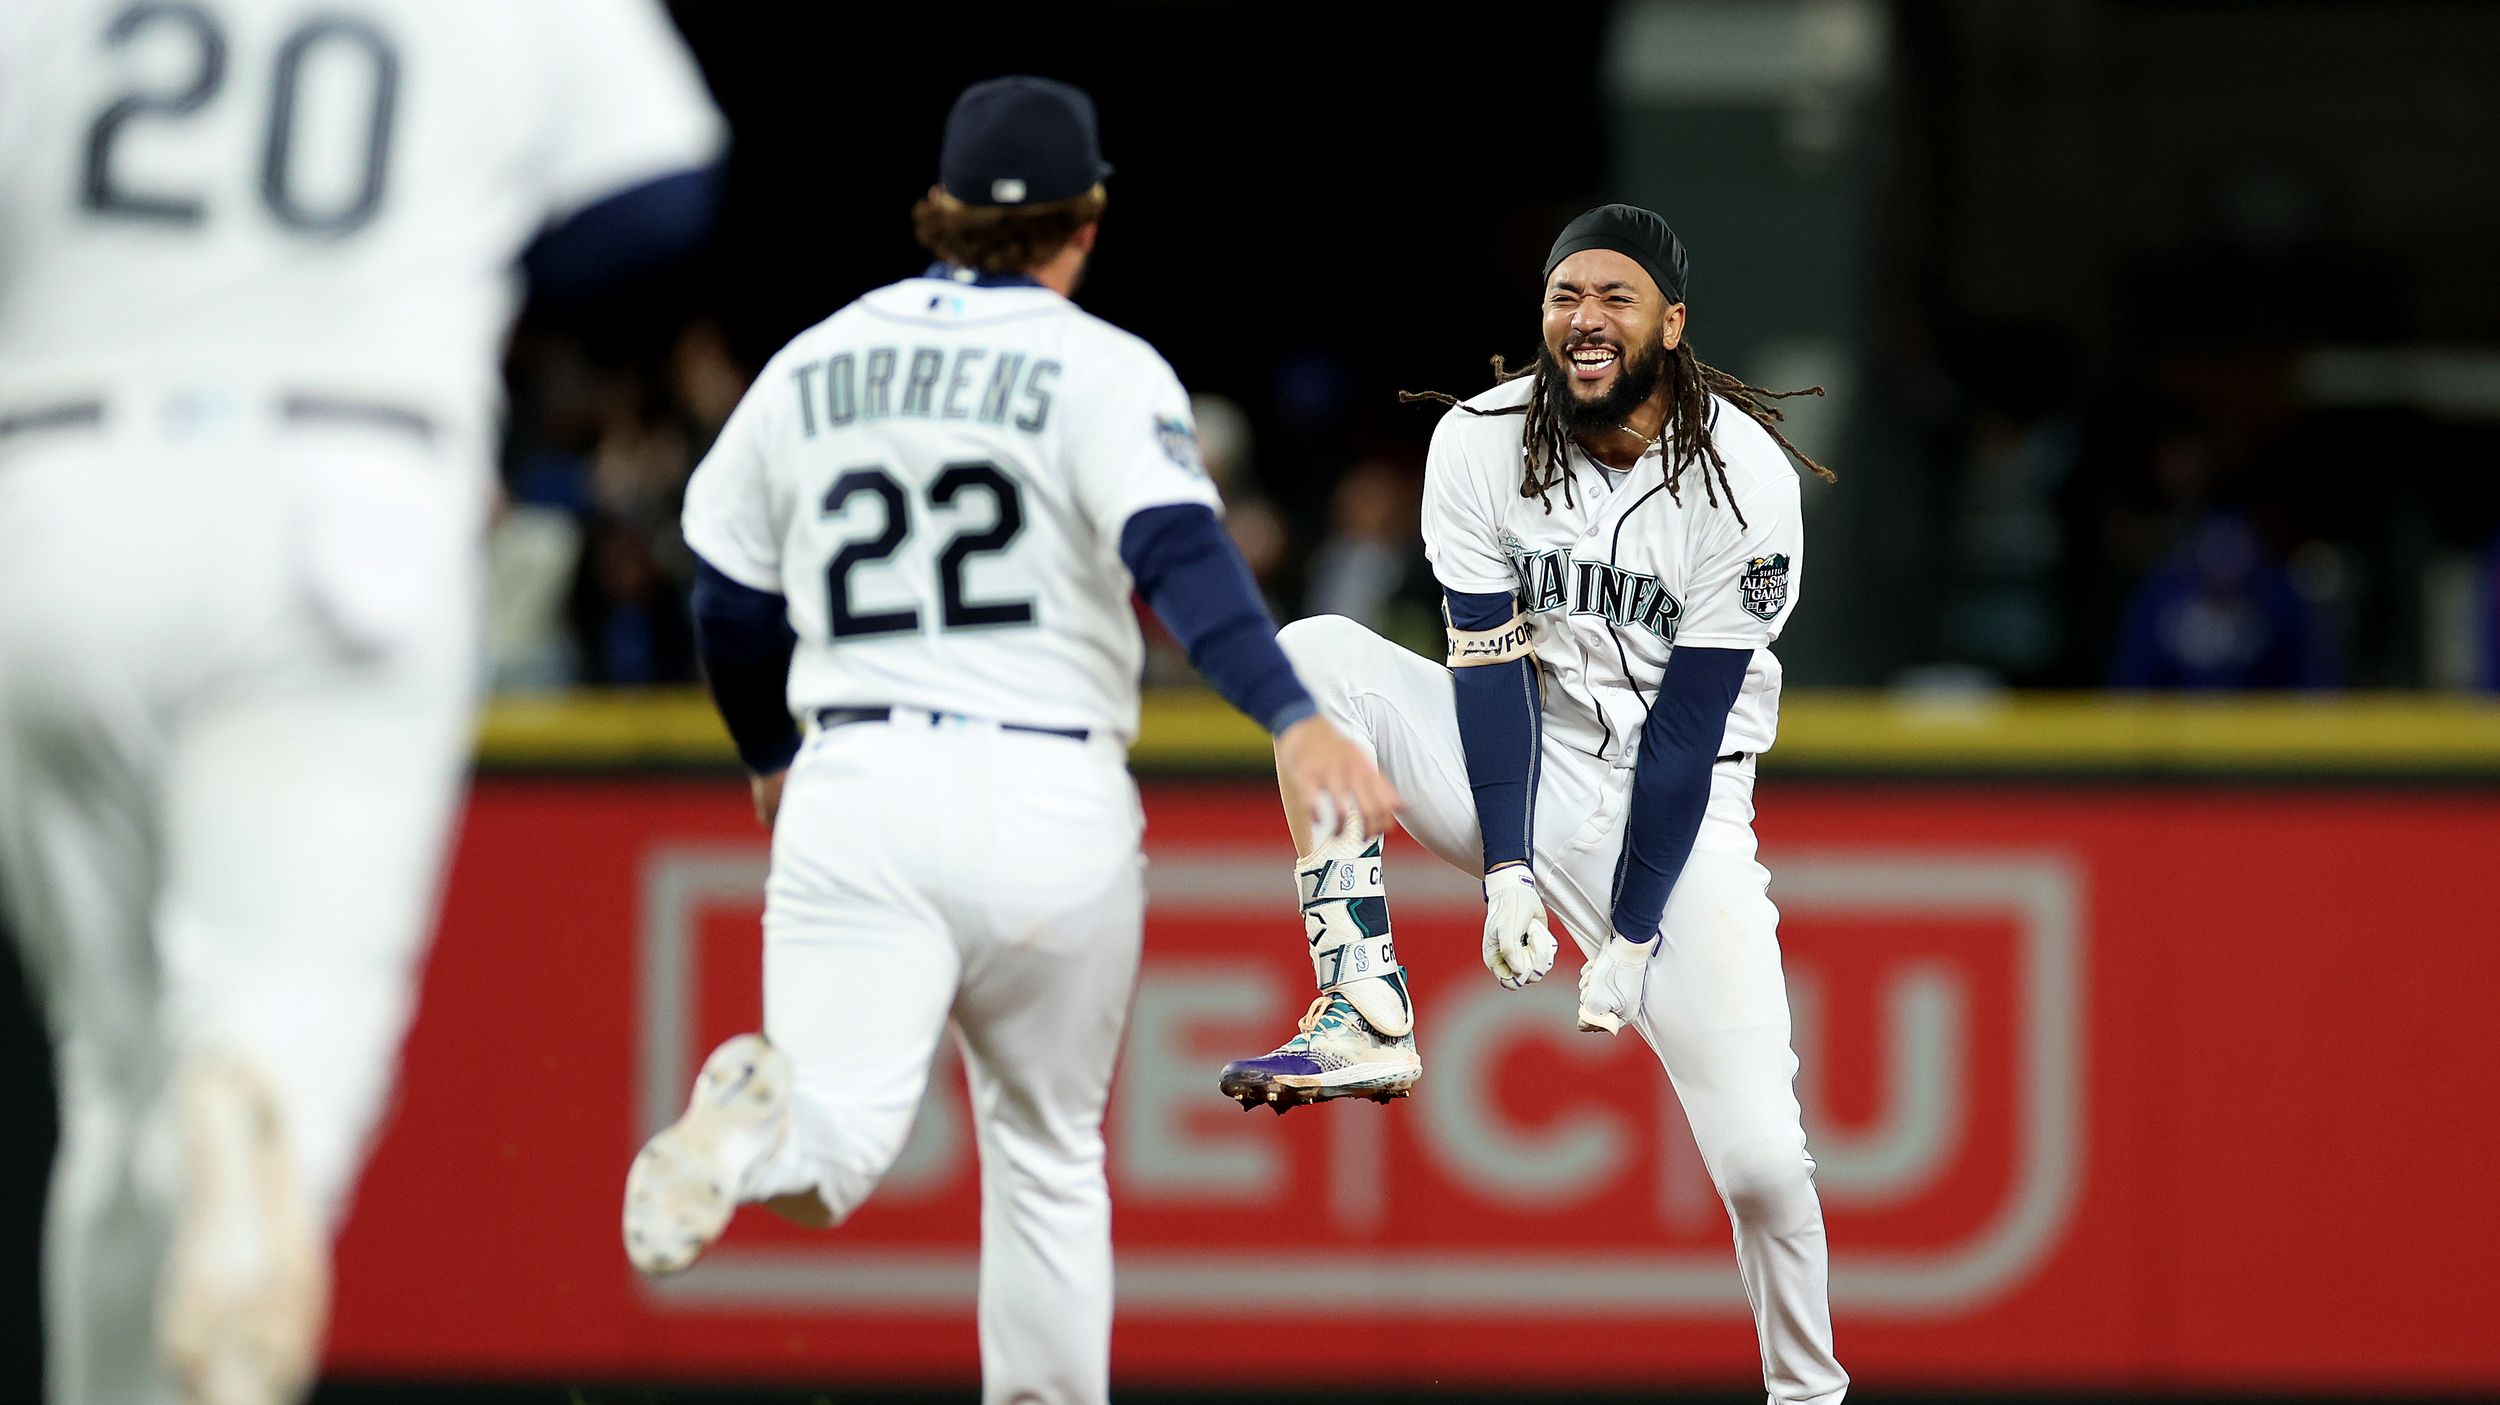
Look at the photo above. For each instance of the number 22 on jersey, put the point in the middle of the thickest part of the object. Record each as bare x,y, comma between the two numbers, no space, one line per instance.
957,490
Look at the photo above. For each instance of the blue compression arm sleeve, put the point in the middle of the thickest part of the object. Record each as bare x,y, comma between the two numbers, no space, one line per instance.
745,639
639,227
1501,717
1197,585
1671,782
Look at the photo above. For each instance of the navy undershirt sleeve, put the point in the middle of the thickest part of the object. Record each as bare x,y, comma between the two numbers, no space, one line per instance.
1195,582
639,227
1501,712
1671,782
745,639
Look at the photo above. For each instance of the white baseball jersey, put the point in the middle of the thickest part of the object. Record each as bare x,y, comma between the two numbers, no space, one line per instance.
237,642
936,478
313,194
1616,577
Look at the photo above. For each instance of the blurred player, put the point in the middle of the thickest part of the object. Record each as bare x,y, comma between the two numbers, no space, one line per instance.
1618,542
256,267
939,498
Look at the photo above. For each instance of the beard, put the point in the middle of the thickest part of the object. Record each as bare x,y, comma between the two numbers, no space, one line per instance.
1637,375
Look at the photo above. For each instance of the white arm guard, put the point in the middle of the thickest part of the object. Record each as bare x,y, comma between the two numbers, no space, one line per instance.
1472,648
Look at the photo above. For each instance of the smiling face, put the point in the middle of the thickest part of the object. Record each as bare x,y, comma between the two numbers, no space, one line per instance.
1607,334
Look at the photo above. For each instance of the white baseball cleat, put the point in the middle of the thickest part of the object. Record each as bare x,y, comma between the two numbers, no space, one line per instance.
246,1290
685,1182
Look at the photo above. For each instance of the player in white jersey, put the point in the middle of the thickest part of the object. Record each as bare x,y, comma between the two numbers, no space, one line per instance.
256,268
918,536
1618,542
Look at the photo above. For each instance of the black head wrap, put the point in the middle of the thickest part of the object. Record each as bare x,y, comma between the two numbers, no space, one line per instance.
1638,234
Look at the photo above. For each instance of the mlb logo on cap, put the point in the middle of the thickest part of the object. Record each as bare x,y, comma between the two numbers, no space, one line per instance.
1021,141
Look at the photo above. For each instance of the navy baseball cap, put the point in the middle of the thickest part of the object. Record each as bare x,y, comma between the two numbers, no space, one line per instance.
1021,141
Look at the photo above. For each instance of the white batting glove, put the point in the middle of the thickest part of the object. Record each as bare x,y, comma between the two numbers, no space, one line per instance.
1610,984
1518,946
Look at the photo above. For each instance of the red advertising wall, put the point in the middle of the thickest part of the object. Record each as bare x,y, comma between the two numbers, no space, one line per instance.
2147,1087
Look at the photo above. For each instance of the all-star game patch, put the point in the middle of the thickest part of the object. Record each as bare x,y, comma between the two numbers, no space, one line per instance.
1180,443
1765,584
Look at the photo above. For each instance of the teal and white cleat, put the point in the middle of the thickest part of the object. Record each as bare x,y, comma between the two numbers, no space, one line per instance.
1336,1053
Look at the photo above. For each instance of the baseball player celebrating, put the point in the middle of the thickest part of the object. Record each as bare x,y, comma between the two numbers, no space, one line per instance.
1618,543
256,265
918,533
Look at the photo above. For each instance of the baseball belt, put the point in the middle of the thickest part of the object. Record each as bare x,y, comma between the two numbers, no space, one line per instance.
828,718
293,407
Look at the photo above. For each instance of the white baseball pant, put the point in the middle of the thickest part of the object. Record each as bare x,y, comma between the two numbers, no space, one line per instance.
1714,1005
927,873
236,691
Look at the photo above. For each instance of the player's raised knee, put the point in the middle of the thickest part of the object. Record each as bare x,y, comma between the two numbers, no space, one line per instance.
1321,647
1768,1183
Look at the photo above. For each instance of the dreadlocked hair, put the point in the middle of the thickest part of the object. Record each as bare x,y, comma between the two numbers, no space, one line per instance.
1545,445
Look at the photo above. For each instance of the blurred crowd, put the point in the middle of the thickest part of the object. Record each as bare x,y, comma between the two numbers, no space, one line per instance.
590,574
2222,523
2219,516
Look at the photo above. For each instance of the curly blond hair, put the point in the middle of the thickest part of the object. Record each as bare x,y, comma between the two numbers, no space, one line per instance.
1001,238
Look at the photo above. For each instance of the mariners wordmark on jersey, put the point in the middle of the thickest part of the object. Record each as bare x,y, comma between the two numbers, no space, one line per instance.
1552,580
852,386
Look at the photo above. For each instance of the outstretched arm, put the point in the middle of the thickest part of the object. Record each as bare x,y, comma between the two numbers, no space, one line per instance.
1196,583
